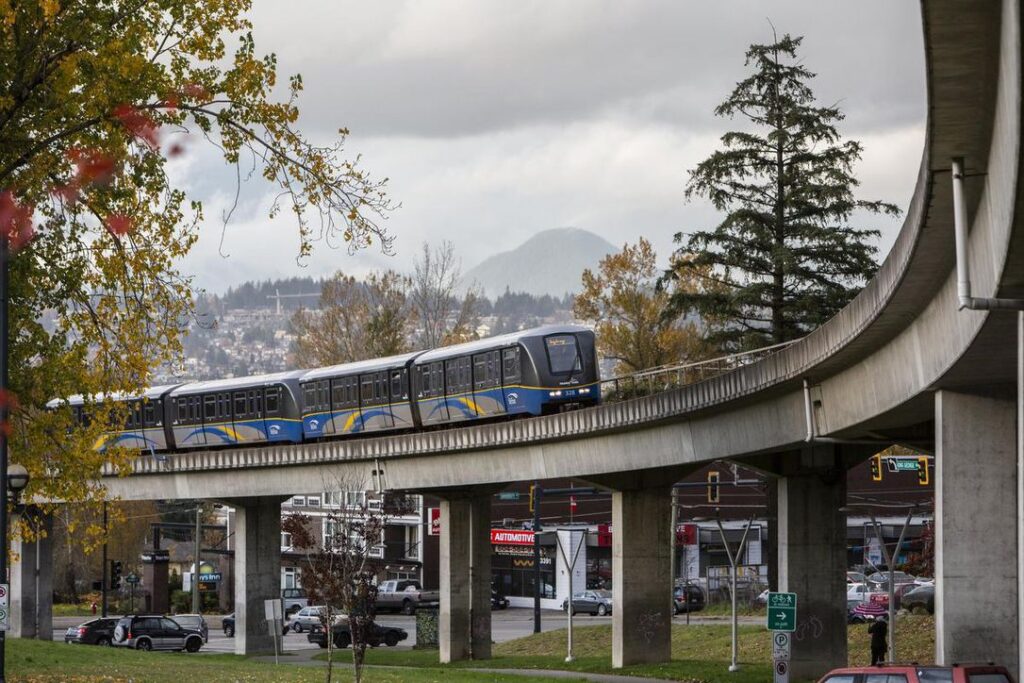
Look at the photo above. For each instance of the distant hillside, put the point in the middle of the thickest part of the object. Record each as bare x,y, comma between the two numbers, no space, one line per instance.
550,262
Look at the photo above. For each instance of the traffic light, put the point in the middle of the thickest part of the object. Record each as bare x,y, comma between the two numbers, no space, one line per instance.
713,478
876,467
115,574
922,471
533,492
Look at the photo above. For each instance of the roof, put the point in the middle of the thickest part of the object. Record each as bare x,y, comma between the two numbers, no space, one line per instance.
237,383
372,365
488,343
150,393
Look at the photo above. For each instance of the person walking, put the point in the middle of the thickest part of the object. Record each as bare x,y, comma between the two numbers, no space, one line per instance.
879,631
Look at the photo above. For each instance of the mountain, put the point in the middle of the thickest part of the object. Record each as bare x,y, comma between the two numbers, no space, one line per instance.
550,262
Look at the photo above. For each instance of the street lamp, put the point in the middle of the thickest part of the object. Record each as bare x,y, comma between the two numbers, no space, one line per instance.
733,561
889,558
17,479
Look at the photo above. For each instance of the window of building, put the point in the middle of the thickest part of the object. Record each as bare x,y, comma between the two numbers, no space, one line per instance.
291,578
313,501
298,501
286,543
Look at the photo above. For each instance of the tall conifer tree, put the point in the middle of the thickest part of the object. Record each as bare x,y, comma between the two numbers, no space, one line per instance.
786,257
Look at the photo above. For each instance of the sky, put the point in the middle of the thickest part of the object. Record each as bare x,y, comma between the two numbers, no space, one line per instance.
495,120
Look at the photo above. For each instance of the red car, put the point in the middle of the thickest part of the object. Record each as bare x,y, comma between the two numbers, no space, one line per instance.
913,673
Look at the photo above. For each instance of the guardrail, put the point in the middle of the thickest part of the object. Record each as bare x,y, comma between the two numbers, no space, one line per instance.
665,377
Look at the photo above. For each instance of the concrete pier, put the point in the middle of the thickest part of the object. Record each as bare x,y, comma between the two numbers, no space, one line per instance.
257,543
464,628
975,538
31,599
812,558
641,565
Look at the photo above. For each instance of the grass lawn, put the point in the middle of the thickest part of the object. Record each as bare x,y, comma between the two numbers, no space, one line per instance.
31,661
699,652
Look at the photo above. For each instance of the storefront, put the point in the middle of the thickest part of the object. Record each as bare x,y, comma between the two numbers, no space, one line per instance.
513,570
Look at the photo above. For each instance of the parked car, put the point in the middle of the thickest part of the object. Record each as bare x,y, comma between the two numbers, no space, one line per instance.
405,596
688,598
594,602
857,591
155,632
93,632
879,581
306,618
922,596
194,622
855,577
498,601
386,635
762,598
972,673
228,625
293,600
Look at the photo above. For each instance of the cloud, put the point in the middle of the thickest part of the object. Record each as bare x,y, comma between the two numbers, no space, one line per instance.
495,120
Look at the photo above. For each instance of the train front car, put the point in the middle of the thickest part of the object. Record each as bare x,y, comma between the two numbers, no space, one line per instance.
562,371
532,372
243,410
356,398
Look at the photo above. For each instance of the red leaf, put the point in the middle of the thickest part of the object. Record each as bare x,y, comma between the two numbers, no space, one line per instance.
67,193
138,124
15,221
119,224
176,150
195,91
93,167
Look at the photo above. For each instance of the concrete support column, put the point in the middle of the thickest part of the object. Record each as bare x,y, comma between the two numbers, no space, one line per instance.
812,559
642,572
31,599
257,542
975,537
464,628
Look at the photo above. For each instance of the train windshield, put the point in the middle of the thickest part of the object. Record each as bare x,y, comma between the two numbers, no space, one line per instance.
563,355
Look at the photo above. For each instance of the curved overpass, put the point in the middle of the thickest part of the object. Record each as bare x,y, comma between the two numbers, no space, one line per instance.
900,363
873,368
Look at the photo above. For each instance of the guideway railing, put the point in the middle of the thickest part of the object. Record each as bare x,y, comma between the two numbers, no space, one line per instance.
666,377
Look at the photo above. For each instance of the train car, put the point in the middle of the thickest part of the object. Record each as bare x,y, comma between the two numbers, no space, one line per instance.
144,424
532,372
243,410
356,398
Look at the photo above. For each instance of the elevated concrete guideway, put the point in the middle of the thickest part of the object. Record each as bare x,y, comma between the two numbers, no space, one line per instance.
901,354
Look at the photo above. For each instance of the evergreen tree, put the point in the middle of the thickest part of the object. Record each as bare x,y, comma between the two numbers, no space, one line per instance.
785,258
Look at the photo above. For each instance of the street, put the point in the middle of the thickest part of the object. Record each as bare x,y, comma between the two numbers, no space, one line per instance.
508,624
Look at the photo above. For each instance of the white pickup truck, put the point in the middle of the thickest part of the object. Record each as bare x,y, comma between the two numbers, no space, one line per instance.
405,596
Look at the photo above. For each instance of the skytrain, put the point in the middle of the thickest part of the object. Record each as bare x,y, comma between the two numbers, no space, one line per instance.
533,372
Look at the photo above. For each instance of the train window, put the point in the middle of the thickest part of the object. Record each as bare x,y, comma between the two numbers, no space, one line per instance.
209,408
255,403
382,387
224,406
563,356
307,398
397,390
148,415
195,413
323,388
273,396
240,405
510,365
337,395
366,390
485,370
423,375
182,409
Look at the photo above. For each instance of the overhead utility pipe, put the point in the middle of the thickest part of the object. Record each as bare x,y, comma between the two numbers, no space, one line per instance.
963,290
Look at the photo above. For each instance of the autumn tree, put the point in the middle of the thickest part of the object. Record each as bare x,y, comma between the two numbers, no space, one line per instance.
442,317
95,98
626,306
337,566
787,255
356,320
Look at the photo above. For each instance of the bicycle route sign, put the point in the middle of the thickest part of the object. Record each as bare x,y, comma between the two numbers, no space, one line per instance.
5,612
782,612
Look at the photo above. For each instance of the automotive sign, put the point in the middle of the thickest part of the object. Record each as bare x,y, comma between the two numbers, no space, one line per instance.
511,537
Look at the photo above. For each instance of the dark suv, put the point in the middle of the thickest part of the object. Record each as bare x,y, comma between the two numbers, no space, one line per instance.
94,632
155,632
688,598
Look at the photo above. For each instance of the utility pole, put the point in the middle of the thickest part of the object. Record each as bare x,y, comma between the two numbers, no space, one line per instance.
537,492
103,579
195,555
5,256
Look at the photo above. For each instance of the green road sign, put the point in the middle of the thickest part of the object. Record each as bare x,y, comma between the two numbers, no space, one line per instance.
782,611
907,465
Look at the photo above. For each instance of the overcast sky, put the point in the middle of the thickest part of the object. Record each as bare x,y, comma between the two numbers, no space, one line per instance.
495,120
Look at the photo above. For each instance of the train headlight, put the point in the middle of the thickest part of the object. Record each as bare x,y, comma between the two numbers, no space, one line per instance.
554,393
585,390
